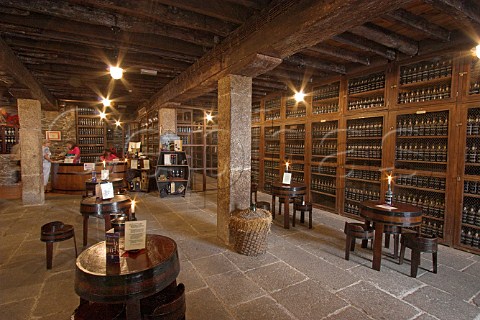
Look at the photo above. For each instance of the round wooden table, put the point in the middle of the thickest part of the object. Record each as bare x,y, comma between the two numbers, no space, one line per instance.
96,207
287,191
381,214
118,185
137,276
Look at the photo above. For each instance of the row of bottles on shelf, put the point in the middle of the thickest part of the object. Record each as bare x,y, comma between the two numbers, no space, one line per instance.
10,139
294,149
272,115
271,164
364,129
326,92
432,228
255,163
324,131
471,187
322,185
296,112
296,167
361,194
419,151
329,148
425,94
295,133
185,140
271,175
83,111
273,104
470,237
425,70
364,175
431,206
272,147
256,132
89,159
366,103
183,129
172,174
255,117
474,87
325,108
421,181
332,171
90,150
298,178
9,131
255,153
429,125
367,83
471,215
473,123
90,122
352,208
372,150
90,140
271,133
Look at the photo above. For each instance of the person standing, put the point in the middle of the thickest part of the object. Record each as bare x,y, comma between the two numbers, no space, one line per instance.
73,151
47,163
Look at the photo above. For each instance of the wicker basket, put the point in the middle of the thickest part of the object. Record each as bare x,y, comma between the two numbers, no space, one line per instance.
249,230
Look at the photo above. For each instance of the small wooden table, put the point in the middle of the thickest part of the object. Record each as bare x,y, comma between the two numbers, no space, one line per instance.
287,191
118,185
137,276
93,206
399,214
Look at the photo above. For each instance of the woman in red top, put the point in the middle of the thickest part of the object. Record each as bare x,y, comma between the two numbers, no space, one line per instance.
73,151
108,156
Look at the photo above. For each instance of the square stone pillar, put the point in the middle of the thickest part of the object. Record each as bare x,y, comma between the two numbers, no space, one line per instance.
30,115
167,120
234,149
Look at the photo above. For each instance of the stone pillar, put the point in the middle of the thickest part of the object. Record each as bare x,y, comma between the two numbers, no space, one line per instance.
234,149
167,120
30,115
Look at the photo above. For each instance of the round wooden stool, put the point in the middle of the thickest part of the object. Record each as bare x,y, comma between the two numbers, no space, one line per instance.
302,206
56,231
263,205
355,231
418,244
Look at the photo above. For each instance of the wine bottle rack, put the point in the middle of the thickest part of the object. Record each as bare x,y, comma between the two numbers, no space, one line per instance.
8,138
425,81
272,109
298,177
272,142
360,185
324,141
256,112
325,98
91,133
422,141
255,172
366,92
295,142
474,85
295,109
323,186
364,141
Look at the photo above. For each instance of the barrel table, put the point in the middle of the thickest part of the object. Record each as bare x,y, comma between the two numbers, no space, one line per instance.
96,207
381,214
287,191
138,276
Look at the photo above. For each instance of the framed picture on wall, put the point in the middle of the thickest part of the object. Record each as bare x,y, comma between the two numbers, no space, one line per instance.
53,135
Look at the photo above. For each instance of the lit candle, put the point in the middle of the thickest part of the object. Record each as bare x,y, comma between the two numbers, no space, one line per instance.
389,180
132,207
104,164
286,166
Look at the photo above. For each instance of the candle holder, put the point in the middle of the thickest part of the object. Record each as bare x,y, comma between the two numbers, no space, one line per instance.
389,195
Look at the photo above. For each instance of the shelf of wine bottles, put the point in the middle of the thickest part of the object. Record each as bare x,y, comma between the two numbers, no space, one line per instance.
87,111
90,159
91,122
9,136
419,181
272,108
358,191
324,130
272,147
295,109
470,237
324,170
366,83
298,177
363,174
91,150
325,108
472,152
295,132
90,131
297,167
256,112
427,93
366,103
324,184
255,151
440,67
269,164
272,133
326,149
428,124
325,98
271,175
91,140
474,87
361,128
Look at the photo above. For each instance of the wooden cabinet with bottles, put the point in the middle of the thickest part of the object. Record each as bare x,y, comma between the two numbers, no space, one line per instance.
8,138
91,133
172,173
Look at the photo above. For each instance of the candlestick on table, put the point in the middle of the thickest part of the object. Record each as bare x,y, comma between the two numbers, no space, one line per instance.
287,164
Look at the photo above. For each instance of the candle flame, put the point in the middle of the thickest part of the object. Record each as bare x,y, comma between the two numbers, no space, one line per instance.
389,177
287,164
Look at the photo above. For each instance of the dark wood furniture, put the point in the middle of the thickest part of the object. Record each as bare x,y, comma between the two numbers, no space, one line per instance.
419,244
56,231
118,186
302,206
92,206
399,214
138,276
356,231
172,177
286,192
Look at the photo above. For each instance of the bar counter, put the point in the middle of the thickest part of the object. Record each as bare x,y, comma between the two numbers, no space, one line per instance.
70,177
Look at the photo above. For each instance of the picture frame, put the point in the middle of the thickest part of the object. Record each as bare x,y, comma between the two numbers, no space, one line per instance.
287,178
53,135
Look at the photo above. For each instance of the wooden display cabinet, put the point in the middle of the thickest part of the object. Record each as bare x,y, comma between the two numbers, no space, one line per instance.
294,109
9,136
273,108
366,92
325,98
172,173
256,115
91,134
255,171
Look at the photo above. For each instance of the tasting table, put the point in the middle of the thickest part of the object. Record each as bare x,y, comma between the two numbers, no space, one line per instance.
286,192
381,214
138,275
97,207
118,185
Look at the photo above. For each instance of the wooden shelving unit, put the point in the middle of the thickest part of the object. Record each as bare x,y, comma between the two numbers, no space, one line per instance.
8,138
91,134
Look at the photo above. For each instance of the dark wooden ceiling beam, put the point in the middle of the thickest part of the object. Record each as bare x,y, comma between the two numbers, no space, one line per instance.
219,9
269,85
304,61
386,38
366,45
256,4
11,64
340,54
466,12
420,24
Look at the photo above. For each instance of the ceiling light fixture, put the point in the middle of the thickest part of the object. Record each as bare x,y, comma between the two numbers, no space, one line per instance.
103,115
209,117
106,102
299,96
116,72
117,123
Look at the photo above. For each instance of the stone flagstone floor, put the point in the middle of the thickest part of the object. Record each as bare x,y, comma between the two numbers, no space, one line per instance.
302,276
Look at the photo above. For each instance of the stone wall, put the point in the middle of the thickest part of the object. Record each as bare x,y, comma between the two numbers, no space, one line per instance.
63,121
9,170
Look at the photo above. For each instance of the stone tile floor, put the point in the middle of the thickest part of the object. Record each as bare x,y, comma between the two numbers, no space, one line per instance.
302,276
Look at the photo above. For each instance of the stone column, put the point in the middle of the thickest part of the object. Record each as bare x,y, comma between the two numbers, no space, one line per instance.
167,120
30,115
234,149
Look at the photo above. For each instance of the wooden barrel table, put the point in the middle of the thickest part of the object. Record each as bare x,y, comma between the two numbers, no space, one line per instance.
286,192
96,207
381,214
137,276
70,178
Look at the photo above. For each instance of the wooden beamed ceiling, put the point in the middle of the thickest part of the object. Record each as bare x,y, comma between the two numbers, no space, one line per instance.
62,49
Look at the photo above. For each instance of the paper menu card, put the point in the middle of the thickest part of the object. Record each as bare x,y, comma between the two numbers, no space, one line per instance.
135,235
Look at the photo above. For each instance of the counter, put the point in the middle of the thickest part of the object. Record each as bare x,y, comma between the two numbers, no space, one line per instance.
70,177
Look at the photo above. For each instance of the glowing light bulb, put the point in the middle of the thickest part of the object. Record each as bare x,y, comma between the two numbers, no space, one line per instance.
103,115
106,102
209,117
299,96
117,123
116,72
477,51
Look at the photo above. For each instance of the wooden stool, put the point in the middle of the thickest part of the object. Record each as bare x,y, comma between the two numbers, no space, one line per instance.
395,231
56,231
254,190
302,206
263,205
355,231
418,244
